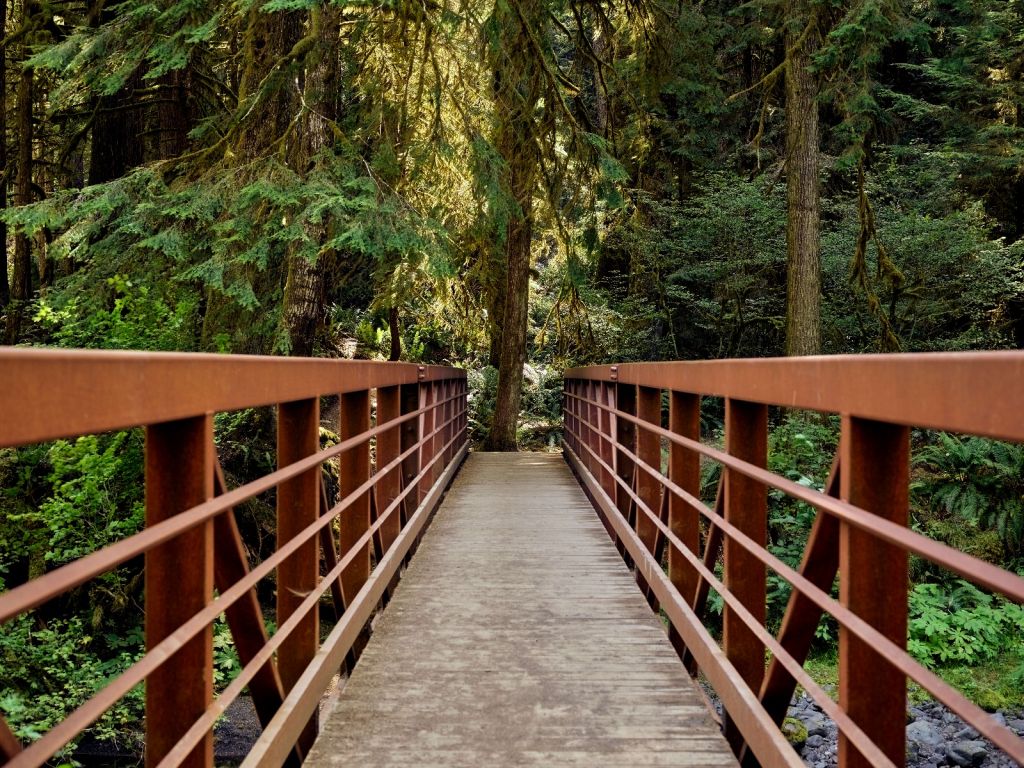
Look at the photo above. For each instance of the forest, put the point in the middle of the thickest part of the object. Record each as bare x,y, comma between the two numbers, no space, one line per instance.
512,187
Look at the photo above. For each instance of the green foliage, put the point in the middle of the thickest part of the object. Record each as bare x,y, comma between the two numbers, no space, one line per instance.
958,623
52,667
976,482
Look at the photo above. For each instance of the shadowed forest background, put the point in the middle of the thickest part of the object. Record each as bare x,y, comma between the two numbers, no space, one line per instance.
509,186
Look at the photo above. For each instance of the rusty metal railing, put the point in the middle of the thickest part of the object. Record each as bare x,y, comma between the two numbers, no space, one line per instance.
191,543
614,430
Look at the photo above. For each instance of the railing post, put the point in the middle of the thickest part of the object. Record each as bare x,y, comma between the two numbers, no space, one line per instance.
353,471
298,505
623,435
410,436
389,448
746,437
427,400
648,450
873,583
179,584
683,519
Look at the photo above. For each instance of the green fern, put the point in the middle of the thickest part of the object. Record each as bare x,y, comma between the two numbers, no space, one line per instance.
979,480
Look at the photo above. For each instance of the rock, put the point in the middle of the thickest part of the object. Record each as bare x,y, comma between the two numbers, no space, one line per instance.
814,722
967,753
923,732
1016,724
794,731
966,734
999,719
815,741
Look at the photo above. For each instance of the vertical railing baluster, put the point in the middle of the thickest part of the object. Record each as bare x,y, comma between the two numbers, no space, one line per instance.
746,437
426,451
595,394
298,505
648,450
623,434
873,579
389,448
683,519
607,434
353,471
647,487
179,583
410,436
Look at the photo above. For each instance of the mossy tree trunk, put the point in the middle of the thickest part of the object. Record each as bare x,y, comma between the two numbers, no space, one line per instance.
304,291
803,225
518,84
21,284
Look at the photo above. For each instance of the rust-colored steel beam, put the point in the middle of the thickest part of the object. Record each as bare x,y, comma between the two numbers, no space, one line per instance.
984,574
648,448
1008,583
746,507
268,751
410,437
712,550
329,552
102,391
298,505
684,520
179,583
245,618
955,391
427,401
9,744
622,434
353,471
873,583
820,565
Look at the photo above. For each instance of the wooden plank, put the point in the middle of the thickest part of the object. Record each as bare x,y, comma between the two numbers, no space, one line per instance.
518,637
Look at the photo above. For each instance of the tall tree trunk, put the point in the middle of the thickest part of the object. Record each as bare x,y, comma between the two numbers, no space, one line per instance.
5,284
518,82
265,85
117,133
21,286
803,224
303,304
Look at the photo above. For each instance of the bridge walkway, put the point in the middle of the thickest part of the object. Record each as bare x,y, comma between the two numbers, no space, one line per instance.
518,637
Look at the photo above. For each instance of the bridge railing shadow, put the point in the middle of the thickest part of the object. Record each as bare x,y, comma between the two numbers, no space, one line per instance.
619,418
401,435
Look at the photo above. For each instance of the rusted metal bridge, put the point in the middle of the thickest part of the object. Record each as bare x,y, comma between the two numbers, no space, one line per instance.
518,634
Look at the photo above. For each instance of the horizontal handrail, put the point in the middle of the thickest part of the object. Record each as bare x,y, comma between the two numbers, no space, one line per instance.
103,391
968,392
614,426
418,441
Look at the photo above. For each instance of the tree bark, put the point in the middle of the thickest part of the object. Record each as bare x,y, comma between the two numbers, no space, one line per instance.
304,305
264,82
5,285
21,286
117,143
517,91
803,235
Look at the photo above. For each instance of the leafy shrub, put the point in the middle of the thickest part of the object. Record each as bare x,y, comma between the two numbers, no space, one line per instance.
975,481
961,624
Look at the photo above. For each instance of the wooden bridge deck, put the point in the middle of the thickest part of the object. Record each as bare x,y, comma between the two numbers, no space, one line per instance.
518,638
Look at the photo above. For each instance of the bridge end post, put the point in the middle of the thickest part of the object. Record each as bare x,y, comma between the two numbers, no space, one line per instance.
179,584
873,583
